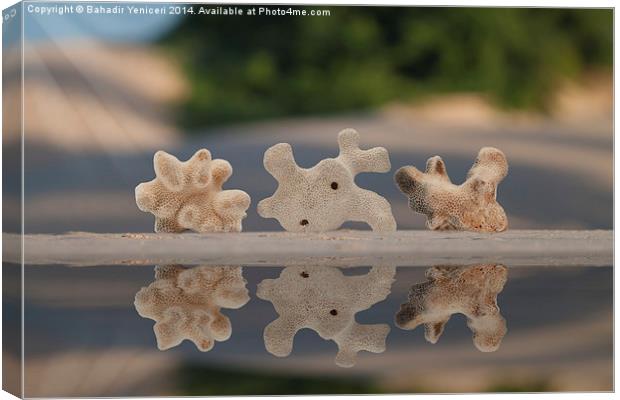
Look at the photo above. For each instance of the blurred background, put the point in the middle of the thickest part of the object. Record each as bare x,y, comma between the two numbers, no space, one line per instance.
104,92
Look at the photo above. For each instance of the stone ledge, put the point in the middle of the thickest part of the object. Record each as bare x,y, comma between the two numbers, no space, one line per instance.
339,248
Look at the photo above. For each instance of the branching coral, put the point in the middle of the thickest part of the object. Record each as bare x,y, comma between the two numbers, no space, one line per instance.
326,301
323,197
471,291
469,206
185,304
189,195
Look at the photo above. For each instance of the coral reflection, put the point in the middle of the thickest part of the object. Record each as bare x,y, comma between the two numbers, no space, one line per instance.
185,304
326,301
471,291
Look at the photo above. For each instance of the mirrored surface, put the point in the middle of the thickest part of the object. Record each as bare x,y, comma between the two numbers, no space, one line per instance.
304,329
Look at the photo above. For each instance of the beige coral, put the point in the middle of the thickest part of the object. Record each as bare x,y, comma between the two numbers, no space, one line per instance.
323,197
470,206
185,304
471,291
189,195
326,301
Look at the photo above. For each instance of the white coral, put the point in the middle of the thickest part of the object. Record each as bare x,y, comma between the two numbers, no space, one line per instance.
185,304
325,300
323,197
470,206
189,195
471,291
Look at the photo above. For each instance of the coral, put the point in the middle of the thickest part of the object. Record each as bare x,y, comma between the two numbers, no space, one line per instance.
185,304
189,195
323,197
326,301
471,291
470,206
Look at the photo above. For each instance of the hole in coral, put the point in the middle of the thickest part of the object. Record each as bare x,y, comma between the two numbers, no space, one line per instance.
334,185
304,222
333,312
304,274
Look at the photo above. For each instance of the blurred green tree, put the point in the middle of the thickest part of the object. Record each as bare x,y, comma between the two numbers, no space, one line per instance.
204,380
252,67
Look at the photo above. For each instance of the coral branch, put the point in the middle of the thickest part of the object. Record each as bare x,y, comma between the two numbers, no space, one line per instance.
189,195
471,206
323,197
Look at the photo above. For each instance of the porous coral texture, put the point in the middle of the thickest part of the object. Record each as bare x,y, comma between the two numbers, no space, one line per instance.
326,301
471,291
188,195
185,304
323,197
470,206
